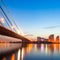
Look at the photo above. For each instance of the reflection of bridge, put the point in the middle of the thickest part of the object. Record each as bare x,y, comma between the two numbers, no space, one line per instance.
8,26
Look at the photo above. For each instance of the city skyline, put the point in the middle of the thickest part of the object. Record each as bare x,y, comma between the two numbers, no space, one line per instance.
36,17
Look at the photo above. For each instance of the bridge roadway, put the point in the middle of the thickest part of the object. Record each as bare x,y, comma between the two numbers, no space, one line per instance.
7,32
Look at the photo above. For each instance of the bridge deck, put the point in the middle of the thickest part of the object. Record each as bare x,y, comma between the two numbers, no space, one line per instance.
7,32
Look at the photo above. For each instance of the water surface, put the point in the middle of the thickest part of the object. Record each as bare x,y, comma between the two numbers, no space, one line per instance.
32,52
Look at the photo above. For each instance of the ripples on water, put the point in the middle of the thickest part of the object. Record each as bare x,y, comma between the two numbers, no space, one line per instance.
31,51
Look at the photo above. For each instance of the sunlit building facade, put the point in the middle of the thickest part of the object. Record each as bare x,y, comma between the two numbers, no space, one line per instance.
51,38
57,39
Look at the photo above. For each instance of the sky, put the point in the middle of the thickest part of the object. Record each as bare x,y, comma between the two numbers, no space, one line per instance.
36,17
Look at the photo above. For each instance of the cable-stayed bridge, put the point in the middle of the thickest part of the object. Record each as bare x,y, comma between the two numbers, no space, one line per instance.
8,27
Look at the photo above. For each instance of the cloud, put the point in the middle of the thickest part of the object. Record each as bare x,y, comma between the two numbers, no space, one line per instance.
52,27
29,35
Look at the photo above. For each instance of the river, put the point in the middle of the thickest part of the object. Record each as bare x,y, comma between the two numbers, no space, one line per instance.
19,51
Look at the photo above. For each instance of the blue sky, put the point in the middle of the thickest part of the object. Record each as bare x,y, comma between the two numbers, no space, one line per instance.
37,17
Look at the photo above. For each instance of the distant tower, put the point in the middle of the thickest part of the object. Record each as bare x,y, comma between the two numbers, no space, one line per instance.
51,38
57,39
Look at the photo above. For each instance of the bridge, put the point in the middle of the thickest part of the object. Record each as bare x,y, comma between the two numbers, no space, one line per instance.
8,27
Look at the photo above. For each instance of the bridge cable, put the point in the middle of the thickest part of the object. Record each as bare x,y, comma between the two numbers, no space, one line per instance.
9,14
4,17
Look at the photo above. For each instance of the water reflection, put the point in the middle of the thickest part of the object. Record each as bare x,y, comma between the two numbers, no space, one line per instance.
34,51
49,48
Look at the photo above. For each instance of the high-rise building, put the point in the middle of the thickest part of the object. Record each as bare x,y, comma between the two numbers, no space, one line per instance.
51,38
57,39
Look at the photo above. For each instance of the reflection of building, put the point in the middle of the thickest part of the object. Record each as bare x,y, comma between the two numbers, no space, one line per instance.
51,38
38,46
57,39
28,48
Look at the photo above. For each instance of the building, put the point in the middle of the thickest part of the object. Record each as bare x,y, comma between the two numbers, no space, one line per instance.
51,38
57,39
40,39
